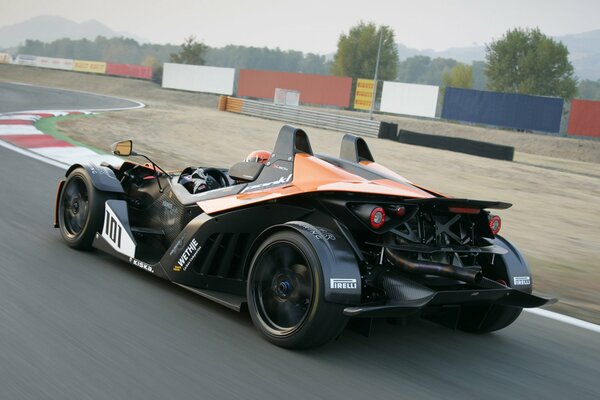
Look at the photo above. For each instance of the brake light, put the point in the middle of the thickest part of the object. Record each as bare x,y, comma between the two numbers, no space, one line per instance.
377,218
495,224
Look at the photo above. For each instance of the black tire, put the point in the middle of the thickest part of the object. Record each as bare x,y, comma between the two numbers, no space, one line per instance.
285,294
80,210
487,318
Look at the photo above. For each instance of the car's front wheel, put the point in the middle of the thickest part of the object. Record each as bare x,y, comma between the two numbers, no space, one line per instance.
80,210
285,294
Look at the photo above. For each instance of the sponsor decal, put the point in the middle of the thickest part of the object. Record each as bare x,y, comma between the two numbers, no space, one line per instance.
522,280
141,264
188,255
177,268
339,283
318,234
280,167
99,171
280,181
115,234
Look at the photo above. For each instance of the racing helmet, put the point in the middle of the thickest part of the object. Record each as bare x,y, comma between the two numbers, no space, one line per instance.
259,156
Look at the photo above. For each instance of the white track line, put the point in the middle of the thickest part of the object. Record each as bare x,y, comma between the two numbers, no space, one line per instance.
564,318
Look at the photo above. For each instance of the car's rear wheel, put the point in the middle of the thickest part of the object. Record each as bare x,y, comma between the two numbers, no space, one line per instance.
487,318
80,210
285,294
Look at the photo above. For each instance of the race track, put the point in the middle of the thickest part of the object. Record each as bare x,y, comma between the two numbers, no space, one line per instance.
77,325
19,97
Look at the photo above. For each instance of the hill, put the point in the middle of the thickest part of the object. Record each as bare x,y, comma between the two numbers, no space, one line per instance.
47,28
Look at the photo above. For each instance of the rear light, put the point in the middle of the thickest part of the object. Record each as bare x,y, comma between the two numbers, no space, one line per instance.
464,210
495,224
377,218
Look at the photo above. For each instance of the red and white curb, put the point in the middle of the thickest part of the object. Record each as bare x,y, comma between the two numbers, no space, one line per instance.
18,131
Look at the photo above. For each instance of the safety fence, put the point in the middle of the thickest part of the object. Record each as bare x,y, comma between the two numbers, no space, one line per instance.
302,116
95,67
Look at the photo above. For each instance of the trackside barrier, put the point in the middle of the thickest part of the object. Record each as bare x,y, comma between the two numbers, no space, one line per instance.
129,70
95,67
459,145
314,89
510,110
584,119
198,78
303,116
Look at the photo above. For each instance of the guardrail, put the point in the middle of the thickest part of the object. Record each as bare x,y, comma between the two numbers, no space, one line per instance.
303,116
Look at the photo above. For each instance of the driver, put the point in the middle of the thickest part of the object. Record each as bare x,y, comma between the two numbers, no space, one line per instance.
197,181
259,156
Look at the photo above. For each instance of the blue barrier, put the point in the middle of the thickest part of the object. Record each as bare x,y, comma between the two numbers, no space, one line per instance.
508,110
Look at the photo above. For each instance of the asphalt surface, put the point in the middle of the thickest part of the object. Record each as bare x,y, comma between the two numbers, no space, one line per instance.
79,325
18,97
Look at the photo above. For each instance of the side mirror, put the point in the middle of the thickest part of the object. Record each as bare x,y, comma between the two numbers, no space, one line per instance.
123,148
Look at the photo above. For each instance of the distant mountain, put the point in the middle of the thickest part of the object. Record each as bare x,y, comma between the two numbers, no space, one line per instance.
48,28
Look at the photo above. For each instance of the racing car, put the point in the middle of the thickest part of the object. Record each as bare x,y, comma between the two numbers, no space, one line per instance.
306,242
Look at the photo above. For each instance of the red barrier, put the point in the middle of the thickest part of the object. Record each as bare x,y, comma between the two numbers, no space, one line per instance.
314,89
132,71
584,119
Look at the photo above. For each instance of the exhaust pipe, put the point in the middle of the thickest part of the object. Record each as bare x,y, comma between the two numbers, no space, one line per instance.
429,268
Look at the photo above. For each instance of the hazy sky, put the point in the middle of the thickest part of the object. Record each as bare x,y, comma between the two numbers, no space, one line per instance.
315,25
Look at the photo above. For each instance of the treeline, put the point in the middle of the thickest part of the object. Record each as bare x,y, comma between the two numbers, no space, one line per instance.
129,51
428,71
115,50
589,90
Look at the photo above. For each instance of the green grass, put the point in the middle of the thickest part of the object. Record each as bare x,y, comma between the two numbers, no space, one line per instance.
50,127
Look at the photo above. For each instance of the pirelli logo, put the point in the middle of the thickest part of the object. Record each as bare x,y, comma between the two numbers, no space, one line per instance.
338,283
522,280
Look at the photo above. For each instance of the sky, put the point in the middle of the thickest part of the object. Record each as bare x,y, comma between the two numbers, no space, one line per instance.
315,26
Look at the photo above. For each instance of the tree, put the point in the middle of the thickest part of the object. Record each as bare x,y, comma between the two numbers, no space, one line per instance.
529,62
589,90
424,70
192,52
356,54
479,78
461,76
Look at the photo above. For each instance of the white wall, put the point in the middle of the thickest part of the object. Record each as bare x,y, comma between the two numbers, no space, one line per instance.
198,78
409,99
55,63
24,59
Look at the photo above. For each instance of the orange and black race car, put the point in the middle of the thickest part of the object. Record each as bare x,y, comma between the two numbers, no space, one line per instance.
307,241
